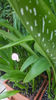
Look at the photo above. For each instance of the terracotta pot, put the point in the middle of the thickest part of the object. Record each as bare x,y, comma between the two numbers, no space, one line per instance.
38,96
18,96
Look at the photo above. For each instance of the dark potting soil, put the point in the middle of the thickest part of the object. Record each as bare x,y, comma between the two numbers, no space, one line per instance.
45,96
22,91
28,93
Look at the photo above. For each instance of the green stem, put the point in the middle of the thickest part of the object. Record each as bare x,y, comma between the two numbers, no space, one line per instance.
54,73
33,86
49,77
53,82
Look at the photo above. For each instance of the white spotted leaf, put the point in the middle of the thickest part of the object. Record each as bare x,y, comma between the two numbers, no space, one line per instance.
40,21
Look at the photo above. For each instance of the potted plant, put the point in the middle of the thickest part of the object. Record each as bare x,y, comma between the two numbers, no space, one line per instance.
19,96
38,18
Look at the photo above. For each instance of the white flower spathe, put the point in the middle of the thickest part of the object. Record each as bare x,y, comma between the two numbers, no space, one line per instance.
15,57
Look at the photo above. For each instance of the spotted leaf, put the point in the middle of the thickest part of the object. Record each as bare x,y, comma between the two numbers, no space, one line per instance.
40,21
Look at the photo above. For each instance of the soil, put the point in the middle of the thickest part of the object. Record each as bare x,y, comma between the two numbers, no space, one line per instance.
28,93
45,96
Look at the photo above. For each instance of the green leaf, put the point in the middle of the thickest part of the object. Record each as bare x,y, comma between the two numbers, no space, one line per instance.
5,68
38,49
40,66
30,60
55,90
3,21
5,57
10,28
3,61
14,75
8,94
21,40
28,48
9,36
21,86
51,5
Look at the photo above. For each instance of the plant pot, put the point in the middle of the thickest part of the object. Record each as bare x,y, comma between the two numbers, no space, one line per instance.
38,96
18,96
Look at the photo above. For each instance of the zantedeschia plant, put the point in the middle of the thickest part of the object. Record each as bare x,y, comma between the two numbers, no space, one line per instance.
39,19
